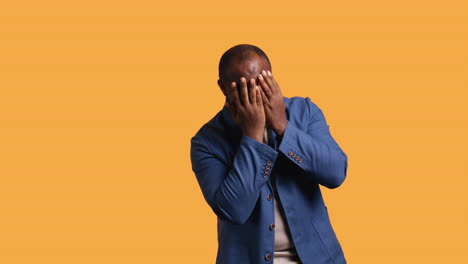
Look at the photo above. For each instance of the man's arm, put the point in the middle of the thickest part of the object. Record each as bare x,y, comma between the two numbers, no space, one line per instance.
232,190
315,150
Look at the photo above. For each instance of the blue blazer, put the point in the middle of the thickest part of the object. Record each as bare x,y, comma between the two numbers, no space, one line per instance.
236,173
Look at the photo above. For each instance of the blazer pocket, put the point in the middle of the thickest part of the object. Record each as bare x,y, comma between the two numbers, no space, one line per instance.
326,233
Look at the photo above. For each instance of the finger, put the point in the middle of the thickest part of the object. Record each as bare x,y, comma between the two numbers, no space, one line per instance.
265,99
258,97
275,84
264,85
234,100
268,78
252,92
244,96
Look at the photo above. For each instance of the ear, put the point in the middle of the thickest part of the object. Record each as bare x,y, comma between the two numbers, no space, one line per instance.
221,86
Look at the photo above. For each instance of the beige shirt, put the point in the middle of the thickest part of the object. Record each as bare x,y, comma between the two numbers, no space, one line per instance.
285,251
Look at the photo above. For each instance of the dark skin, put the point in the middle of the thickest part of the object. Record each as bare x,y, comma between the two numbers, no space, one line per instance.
253,97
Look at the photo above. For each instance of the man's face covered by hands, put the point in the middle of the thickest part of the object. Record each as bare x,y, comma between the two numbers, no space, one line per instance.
252,96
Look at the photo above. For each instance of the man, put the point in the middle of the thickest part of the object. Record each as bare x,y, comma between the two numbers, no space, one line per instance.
259,163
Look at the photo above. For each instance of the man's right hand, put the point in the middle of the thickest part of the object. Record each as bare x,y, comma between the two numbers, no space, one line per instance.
247,108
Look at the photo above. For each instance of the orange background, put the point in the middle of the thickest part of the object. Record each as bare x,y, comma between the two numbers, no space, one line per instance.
99,100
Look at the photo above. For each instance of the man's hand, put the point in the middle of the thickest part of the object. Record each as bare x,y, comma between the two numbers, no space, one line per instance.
275,109
247,108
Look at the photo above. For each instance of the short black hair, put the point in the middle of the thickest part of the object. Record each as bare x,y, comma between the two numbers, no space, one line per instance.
240,52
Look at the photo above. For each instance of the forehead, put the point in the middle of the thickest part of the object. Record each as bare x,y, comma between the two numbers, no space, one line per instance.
249,67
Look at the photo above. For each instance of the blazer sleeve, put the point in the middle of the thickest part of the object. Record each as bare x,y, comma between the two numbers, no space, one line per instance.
315,150
232,190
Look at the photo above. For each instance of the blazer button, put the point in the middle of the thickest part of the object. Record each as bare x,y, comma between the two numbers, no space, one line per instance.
268,256
268,162
269,197
265,174
272,227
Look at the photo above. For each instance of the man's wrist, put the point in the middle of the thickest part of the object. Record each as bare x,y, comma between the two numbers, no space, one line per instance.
258,137
280,129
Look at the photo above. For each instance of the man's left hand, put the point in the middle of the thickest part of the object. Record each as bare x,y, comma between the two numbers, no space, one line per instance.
275,109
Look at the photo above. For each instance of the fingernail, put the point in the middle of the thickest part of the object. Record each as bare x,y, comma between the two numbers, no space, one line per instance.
260,77
264,72
233,84
269,73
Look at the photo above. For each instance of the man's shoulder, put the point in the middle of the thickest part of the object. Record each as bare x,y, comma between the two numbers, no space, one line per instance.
211,127
299,104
